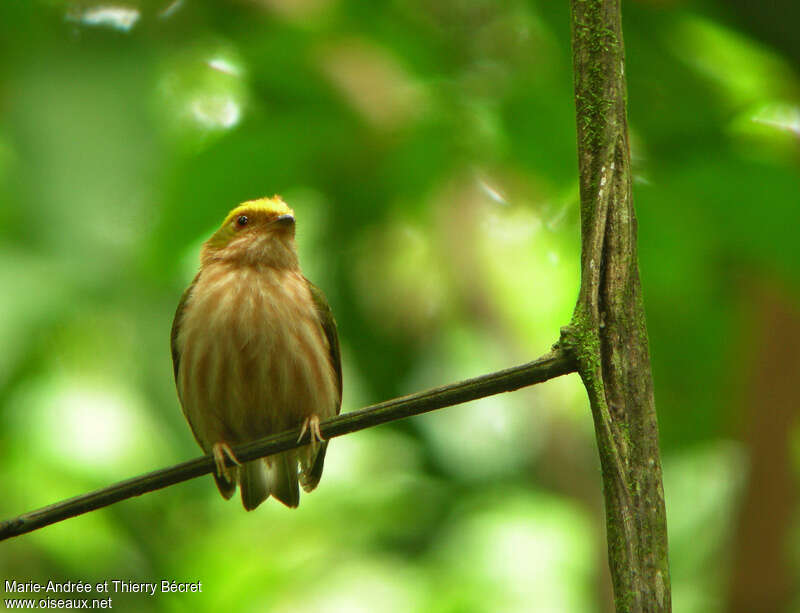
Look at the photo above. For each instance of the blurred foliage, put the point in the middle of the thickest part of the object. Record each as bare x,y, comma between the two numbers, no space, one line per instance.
428,149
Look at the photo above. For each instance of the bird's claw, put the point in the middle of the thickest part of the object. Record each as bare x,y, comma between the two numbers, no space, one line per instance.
311,424
220,451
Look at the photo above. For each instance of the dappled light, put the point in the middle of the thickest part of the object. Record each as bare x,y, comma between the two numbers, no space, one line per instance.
117,17
428,149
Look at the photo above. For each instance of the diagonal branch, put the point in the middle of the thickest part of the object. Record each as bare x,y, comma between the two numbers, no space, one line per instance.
554,364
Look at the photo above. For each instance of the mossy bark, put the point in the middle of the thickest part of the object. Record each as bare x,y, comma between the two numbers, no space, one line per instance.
608,333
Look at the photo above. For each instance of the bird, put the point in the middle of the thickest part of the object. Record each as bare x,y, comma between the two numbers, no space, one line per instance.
255,352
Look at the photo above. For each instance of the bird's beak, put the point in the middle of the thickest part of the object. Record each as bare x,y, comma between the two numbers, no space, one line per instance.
285,221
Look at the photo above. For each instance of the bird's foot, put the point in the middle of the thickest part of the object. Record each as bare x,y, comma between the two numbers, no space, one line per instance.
220,451
311,424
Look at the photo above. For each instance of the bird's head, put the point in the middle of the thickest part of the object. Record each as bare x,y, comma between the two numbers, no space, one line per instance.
257,232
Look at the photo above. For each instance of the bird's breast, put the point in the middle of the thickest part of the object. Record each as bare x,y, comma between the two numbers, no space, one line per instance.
254,357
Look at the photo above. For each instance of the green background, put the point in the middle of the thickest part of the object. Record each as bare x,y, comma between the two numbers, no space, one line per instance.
428,149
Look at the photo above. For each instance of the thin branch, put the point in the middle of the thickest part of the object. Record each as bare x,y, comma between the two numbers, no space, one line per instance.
554,364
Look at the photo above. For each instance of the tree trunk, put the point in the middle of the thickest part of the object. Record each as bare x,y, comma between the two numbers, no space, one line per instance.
761,574
608,333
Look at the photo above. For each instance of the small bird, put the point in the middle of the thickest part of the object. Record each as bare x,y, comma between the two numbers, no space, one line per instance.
255,352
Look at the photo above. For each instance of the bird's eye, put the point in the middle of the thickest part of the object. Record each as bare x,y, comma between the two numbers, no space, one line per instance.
242,221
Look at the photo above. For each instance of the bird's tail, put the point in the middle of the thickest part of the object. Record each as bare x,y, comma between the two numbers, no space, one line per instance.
253,483
278,476
312,459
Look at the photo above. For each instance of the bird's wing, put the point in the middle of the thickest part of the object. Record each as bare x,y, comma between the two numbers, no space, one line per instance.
309,478
328,324
176,327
